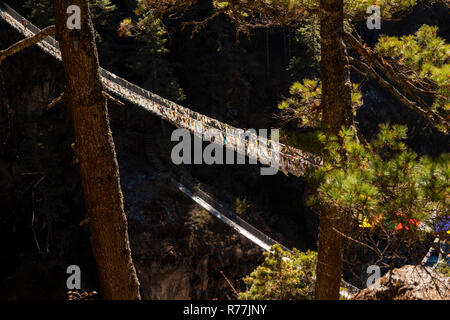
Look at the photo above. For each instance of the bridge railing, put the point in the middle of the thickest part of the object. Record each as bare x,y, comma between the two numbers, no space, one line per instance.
196,190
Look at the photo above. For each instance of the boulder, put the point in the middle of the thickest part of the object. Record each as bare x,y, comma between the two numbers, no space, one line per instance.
408,283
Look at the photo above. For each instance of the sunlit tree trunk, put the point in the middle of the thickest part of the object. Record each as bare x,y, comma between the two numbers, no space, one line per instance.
95,154
336,101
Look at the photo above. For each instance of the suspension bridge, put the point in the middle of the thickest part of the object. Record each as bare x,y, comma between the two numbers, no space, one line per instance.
289,160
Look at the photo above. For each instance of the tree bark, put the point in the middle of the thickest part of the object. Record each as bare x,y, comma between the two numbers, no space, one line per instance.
336,85
336,101
330,255
95,154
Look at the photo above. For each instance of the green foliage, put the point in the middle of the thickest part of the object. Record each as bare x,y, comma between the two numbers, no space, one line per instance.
146,64
384,179
304,104
202,217
241,206
426,55
444,268
353,8
41,12
282,276
307,36
247,14
102,11
356,9
150,63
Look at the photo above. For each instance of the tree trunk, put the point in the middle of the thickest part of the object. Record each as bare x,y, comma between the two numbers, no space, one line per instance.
95,154
329,259
336,101
336,86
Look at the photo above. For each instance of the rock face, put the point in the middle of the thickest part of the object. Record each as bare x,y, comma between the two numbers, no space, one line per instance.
408,283
179,249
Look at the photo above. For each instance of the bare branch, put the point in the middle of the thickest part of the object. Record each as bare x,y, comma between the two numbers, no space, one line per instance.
422,109
392,75
25,43
229,283
112,99
56,101
361,67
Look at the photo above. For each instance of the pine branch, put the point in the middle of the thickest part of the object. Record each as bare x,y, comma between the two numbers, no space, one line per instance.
396,82
392,75
431,116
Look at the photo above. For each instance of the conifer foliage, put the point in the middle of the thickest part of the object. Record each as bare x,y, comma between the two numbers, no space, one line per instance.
282,276
384,184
